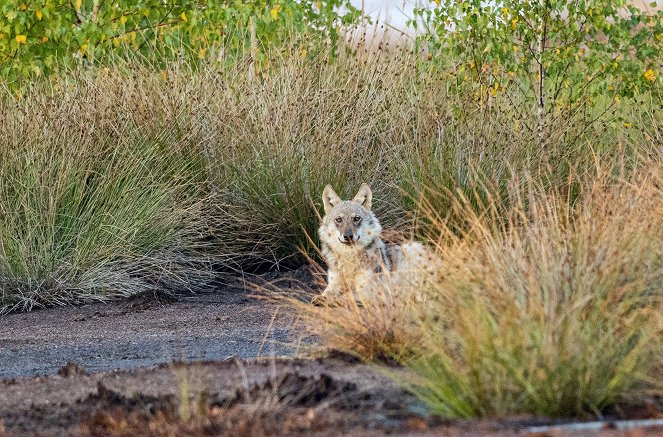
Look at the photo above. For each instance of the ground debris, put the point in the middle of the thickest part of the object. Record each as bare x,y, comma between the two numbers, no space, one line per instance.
298,390
71,369
289,404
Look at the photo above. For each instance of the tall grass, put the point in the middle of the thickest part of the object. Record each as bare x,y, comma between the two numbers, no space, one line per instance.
287,136
130,172
549,305
556,312
273,142
90,209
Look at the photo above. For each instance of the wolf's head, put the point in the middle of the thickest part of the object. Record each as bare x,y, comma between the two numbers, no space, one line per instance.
349,223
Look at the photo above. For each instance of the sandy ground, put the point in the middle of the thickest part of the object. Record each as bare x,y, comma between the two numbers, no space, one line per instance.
233,354
143,331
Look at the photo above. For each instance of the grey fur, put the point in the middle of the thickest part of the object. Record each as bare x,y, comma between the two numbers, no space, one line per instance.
352,244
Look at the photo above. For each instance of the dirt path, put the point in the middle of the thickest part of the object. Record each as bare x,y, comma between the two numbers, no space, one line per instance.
143,331
59,405
127,385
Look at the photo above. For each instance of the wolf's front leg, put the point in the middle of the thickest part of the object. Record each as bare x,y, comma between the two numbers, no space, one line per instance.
332,292
364,286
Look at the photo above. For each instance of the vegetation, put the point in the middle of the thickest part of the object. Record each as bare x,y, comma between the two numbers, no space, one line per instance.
547,306
45,37
533,310
560,57
87,212
131,169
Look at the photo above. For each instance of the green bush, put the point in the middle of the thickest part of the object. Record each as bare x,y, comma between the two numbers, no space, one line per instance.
563,58
40,38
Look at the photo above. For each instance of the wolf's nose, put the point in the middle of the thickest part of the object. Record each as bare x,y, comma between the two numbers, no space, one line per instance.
347,237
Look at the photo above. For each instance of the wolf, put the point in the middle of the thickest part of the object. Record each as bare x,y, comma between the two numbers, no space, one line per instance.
353,248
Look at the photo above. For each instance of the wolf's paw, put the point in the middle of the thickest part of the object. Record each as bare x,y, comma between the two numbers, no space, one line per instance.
324,300
320,300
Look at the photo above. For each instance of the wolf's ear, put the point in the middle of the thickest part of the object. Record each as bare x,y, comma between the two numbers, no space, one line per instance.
329,198
364,196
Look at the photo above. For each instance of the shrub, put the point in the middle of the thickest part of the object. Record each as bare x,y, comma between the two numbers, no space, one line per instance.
41,38
561,57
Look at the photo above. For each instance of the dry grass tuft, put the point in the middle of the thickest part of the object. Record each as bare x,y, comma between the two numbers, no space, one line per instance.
550,303
556,312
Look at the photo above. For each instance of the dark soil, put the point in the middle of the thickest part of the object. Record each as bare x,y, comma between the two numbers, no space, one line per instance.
342,395
239,398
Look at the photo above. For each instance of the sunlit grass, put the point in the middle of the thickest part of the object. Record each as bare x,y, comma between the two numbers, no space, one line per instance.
556,312
548,305
120,168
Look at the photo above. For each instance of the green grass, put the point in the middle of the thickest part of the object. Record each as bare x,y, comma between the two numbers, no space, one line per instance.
87,213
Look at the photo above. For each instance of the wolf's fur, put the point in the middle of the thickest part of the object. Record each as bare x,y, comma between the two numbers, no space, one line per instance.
352,246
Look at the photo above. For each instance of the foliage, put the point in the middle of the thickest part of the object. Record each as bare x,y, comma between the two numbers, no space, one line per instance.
562,55
37,38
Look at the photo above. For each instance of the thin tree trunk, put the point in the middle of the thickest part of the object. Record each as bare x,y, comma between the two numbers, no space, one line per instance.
541,103
254,47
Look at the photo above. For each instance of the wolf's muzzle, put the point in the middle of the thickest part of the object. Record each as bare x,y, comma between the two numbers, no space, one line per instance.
348,238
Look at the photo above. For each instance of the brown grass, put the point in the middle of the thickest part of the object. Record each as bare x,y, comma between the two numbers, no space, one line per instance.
242,159
549,303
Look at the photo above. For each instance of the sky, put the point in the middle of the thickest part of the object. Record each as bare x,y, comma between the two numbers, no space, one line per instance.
395,11
398,11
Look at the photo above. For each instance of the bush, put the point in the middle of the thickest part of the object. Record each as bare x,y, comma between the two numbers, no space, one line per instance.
43,38
564,59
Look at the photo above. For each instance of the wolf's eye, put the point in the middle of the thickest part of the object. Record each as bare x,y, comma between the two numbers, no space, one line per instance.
338,219
357,218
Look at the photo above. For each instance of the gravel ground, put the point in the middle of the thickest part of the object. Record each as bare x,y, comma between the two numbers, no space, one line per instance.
143,331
